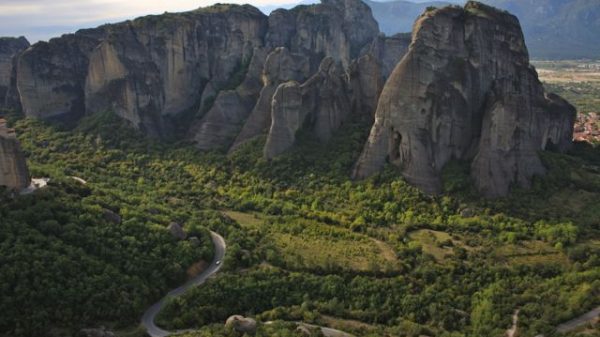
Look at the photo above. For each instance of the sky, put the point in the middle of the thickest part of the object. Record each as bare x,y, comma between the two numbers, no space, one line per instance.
43,19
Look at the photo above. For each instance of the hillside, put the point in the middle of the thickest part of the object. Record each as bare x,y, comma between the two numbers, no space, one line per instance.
359,184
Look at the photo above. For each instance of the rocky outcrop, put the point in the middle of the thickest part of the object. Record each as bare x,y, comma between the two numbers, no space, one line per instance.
177,231
160,66
10,48
333,28
281,65
13,169
221,124
241,324
51,75
465,90
220,64
111,216
338,29
321,104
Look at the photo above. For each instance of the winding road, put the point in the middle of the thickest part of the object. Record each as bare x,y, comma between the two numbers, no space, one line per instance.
150,314
220,246
578,322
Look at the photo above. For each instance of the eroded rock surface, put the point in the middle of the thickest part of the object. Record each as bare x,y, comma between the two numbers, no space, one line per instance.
280,66
10,48
51,75
465,90
13,169
159,66
241,324
321,104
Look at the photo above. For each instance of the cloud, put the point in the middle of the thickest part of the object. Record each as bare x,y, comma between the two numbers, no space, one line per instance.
43,19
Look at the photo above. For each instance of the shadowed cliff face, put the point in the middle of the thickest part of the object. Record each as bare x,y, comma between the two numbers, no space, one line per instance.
10,48
13,168
465,90
159,66
51,75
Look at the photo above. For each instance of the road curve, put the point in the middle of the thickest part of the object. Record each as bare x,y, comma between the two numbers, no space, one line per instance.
220,246
579,321
150,314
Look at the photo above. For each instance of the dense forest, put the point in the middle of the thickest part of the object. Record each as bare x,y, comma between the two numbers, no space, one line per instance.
304,241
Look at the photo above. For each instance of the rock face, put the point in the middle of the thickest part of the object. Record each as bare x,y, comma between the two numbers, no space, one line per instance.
10,48
159,66
220,64
301,38
321,103
241,324
221,124
281,65
13,169
51,75
465,90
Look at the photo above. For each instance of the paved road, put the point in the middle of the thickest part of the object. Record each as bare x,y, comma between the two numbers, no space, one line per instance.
578,322
150,314
220,246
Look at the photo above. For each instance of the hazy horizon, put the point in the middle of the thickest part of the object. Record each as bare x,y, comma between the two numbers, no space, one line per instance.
40,20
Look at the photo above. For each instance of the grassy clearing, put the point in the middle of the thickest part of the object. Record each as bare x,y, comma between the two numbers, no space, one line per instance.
355,253
435,243
309,244
248,220
530,253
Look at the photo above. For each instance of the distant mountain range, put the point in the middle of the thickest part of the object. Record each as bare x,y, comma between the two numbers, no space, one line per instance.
398,16
558,28
554,29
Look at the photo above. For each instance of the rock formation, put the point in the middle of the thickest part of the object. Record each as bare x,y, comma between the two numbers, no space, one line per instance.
221,124
159,66
177,231
13,169
465,90
320,102
221,63
241,324
51,75
338,29
281,65
10,48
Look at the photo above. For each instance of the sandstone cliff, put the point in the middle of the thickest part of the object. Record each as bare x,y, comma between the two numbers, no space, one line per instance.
160,66
10,48
13,168
220,63
465,90
338,29
320,103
